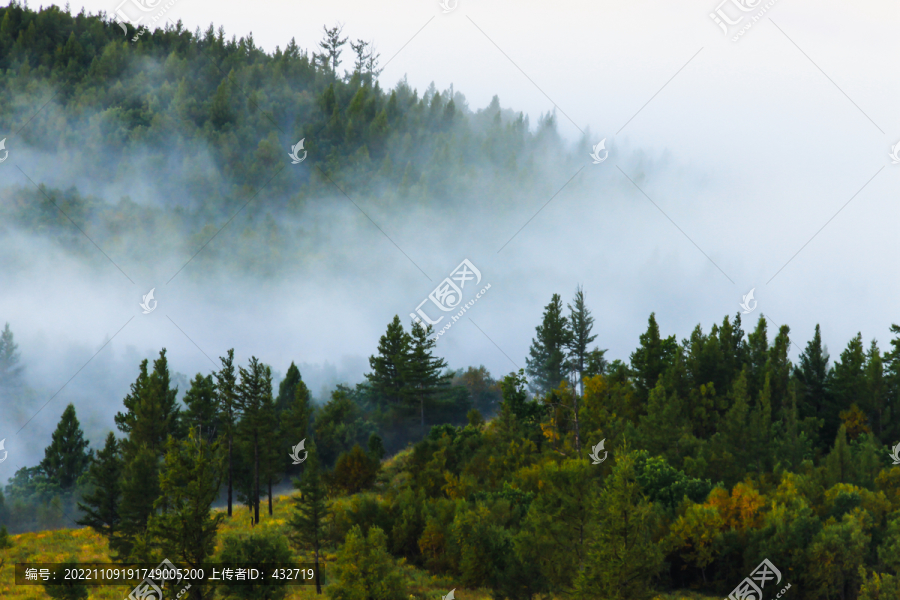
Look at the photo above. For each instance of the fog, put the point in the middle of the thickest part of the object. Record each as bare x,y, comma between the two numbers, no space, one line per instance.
761,164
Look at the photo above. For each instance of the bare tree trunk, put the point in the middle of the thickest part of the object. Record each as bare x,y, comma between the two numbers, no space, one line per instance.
270,495
229,474
318,583
256,478
577,433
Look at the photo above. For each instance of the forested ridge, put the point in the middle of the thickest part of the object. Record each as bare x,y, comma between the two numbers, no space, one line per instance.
175,132
681,468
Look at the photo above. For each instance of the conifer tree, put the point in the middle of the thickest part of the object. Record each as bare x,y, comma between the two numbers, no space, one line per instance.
254,401
651,358
226,388
271,462
189,484
293,424
846,383
287,389
838,463
307,523
389,366
811,373
101,506
423,375
202,407
546,362
67,457
10,370
624,555
582,323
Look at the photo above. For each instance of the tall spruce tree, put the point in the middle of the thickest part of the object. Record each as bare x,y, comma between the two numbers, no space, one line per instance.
293,426
10,370
582,323
306,525
387,379
423,376
226,389
271,463
652,358
546,362
202,407
151,416
189,481
811,373
286,389
101,505
846,384
67,456
254,401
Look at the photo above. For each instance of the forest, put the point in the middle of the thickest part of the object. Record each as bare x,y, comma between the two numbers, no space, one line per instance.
717,453
688,469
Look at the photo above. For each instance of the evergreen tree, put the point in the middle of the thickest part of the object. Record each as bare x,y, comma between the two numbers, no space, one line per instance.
69,589
272,464
307,524
10,370
294,423
892,387
581,322
423,375
254,401
651,359
847,384
101,506
546,362
812,375
287,389
838,463
758,356
202,404
875,401
624,556
189,484
67,457
365,569
387,379
151,416
226,388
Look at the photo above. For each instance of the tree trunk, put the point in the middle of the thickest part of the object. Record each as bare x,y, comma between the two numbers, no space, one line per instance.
270,495
256,479
229,474
577,433
422,407
318,583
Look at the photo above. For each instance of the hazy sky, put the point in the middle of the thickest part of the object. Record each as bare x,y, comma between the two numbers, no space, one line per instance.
762,163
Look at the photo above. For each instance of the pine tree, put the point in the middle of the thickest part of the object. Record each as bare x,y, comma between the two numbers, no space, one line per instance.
67,457
389,366
838,463
846,383
651,359
307,524
287,389
202,404
189,484
294,423
423,376
624,556
546,362
254,401
758,356
581,322
101,506
10,370
151,416
226,388
271,459
892,386
812,375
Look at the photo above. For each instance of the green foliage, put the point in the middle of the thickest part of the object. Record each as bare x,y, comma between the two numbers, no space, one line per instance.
5,540
72,589
666,485
354,471
264,548
340,425
67,457
365,570
547,356
307,523
101,504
